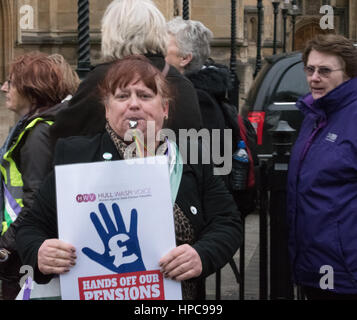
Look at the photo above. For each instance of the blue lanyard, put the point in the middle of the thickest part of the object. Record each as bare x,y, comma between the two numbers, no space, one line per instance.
175,168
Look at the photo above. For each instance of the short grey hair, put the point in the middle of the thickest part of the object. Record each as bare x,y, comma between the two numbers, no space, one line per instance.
191,37
133,27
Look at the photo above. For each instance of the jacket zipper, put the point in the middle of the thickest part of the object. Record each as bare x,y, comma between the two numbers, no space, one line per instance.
318,126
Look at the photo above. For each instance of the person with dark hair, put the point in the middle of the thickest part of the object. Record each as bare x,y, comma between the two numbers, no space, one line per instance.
322,178
36,87
208,226
128,27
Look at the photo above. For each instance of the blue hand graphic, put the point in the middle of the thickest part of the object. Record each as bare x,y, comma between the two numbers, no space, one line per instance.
122,251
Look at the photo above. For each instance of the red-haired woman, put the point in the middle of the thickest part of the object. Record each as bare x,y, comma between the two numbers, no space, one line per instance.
37,85
207,223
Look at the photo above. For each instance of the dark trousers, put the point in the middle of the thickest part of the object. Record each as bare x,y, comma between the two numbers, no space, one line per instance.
10,290
320,294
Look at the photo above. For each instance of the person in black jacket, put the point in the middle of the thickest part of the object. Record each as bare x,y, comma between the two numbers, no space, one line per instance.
207,223
128,27
189,51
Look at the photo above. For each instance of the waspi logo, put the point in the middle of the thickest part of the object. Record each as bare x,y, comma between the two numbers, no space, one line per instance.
86,198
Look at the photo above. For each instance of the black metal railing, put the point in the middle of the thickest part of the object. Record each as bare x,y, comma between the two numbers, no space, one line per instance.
258,65
234,92
84,64
186,10
274,272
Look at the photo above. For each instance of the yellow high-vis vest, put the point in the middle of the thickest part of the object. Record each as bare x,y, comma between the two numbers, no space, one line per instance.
12,180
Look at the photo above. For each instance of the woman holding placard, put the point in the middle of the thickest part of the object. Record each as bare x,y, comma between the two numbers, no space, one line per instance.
208,227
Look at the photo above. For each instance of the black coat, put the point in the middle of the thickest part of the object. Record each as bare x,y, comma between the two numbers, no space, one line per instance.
86,114
33,157
217,223
212,84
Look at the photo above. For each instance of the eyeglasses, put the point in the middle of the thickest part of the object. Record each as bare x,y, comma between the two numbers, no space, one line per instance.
322,71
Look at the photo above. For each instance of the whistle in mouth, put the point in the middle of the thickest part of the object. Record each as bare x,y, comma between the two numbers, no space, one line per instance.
133,124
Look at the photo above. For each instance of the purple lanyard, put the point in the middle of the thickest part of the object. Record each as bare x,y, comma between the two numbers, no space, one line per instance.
27,291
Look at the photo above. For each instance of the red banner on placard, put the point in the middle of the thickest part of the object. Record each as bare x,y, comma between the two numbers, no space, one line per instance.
144,285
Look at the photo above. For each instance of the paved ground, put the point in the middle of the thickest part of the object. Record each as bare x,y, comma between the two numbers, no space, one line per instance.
229,286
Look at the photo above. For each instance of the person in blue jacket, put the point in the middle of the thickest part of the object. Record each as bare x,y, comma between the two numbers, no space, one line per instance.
322,179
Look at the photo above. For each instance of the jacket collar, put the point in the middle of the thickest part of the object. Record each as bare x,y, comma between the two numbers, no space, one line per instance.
215,79
335,100
108,146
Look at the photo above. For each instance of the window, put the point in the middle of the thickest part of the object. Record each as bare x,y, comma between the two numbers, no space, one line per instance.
251,23
292,85
252,29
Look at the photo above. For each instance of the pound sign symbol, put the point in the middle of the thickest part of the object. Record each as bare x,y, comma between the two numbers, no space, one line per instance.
117,251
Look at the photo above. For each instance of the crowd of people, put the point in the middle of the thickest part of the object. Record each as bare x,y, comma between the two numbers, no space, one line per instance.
161,72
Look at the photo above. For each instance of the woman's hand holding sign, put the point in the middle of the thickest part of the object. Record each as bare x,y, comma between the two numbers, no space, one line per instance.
181,263
122,251
56,257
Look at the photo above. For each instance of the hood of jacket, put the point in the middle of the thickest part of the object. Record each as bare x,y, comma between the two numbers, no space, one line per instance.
214,79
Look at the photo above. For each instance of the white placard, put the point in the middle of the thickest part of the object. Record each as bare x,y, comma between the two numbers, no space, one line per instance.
119,217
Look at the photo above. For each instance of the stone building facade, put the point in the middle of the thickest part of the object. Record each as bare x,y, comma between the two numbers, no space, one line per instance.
51,26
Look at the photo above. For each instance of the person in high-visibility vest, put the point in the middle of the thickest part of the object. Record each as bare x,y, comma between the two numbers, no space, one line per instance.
36,89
